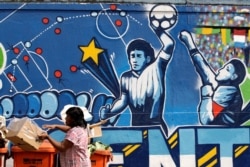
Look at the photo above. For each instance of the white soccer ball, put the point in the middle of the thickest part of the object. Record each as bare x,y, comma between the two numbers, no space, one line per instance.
163,17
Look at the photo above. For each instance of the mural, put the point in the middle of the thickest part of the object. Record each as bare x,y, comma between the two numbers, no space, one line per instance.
172,80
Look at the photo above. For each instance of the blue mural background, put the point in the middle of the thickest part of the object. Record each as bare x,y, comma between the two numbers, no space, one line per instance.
60,51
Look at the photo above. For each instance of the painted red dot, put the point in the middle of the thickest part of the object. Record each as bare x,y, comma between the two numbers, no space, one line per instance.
26,58
39,51
118,23
16,50
58,73
57,31
113,7
73,68
45,20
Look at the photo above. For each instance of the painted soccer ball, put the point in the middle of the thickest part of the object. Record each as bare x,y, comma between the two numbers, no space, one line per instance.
163,17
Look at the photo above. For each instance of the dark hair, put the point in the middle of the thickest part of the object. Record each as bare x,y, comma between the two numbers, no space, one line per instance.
240,70
140,44
76,114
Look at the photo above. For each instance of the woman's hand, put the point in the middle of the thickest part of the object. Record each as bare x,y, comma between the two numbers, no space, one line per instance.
43,135
103,121
49,127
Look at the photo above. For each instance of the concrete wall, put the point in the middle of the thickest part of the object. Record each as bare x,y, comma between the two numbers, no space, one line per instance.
180,98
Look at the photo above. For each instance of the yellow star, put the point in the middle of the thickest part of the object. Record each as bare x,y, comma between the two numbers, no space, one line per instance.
91,51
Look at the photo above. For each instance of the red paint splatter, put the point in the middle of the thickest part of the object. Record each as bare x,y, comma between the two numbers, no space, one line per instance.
16,50
113,7
58,73
73,68
11,77
45,20
39,51
26,58
118,23
57,31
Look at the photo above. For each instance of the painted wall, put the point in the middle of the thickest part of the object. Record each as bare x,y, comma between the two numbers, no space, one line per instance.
172,80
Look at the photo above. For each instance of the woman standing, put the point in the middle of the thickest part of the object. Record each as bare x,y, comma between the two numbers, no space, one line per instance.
74,148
